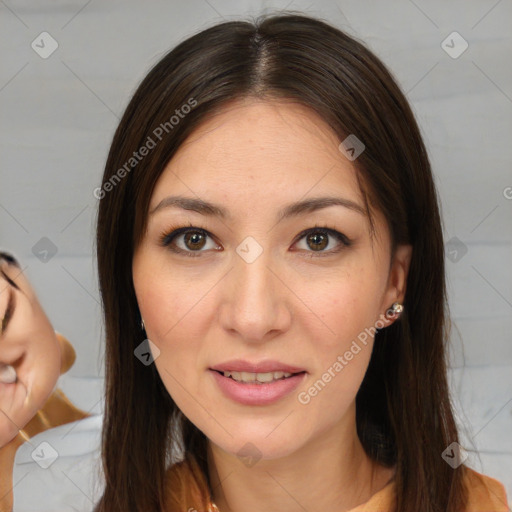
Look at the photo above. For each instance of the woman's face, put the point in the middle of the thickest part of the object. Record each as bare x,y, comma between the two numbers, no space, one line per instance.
29,352
261,287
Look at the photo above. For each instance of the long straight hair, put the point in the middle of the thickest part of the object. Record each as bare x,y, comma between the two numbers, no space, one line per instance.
403,410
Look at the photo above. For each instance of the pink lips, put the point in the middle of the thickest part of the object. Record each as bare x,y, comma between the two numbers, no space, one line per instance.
239,365
252,393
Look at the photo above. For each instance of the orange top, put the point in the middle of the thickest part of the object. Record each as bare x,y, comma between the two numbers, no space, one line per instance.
186,486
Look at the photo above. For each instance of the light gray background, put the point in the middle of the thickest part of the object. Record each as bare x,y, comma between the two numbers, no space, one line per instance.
58,116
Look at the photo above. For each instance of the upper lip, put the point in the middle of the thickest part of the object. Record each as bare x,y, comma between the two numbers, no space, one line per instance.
239,365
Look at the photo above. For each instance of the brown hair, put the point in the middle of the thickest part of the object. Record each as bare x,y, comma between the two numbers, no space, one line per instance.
404,414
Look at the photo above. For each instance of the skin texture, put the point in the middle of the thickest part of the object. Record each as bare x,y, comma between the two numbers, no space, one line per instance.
291,304
31,346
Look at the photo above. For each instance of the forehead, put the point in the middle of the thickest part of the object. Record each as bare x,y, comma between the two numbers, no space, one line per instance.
260,151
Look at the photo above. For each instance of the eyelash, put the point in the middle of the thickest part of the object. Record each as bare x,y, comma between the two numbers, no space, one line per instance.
167,237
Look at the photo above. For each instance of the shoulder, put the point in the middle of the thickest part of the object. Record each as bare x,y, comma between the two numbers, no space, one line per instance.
484,493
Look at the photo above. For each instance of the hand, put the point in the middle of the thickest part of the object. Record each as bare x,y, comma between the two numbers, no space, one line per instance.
30,353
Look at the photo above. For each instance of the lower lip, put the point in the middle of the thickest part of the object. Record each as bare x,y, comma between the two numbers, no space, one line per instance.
257,394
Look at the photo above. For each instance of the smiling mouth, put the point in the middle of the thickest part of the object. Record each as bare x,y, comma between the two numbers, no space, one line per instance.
257,378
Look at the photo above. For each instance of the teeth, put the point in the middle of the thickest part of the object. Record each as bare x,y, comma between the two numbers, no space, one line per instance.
257,377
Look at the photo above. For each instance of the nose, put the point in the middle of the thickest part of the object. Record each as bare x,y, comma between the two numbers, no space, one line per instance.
256,302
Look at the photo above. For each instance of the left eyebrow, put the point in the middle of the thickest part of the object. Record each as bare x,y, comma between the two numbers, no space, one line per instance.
291,210
318,203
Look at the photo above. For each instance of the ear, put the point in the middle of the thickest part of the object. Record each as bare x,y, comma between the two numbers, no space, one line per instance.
397,281
67,353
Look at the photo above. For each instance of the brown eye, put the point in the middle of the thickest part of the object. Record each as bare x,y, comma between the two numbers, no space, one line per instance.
194,240
317,240
189,241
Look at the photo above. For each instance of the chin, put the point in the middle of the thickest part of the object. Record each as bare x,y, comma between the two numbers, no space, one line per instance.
258,446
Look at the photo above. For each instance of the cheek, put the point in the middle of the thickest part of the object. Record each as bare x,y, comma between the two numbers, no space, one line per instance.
173,311
170,296
341,307
341,329
176,320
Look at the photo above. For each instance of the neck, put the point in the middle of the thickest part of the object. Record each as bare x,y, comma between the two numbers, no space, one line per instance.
331,474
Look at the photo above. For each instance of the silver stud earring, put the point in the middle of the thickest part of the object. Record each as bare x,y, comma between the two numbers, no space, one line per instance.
396,308
142,326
